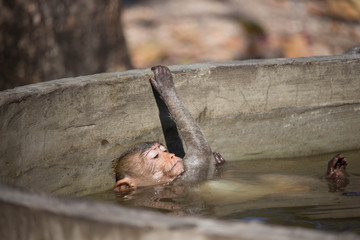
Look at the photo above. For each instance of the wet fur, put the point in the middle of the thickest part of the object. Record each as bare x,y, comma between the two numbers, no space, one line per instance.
199,158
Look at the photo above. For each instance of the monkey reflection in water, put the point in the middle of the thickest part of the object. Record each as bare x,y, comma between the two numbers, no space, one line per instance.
152,164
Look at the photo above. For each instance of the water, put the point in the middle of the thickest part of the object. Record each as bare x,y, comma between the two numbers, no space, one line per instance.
289,192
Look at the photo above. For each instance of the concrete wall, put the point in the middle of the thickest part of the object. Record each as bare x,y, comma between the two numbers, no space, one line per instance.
61,136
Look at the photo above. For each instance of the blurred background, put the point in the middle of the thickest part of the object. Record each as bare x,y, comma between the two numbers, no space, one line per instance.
43,40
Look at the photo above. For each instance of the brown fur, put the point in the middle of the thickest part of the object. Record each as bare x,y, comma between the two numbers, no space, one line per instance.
146,164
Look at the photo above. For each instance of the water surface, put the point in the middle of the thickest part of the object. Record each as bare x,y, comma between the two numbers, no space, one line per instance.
289,192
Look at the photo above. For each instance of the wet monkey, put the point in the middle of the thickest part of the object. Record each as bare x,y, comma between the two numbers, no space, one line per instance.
151,163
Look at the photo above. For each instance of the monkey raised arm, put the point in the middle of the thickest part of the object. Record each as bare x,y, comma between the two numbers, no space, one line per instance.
169,128
199,157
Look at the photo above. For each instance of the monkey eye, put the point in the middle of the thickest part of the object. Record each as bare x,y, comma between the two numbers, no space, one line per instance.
153,154
162,148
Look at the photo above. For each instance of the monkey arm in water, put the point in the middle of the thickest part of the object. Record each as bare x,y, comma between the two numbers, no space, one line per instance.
199,157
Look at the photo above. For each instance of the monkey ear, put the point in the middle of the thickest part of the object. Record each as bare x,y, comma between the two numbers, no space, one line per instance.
126,184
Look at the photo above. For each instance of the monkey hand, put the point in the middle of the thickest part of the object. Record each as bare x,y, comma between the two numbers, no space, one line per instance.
218,158
336,166
163,81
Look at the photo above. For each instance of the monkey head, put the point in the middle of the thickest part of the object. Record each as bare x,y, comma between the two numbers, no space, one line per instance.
146,164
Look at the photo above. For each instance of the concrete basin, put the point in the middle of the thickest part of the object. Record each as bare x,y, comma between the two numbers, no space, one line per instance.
59,138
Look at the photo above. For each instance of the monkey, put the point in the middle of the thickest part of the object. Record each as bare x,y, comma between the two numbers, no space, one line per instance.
150,163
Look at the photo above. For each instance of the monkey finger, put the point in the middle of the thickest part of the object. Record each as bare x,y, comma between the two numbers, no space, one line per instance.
343,163
164,70
334,160
218,158
155,67
155,84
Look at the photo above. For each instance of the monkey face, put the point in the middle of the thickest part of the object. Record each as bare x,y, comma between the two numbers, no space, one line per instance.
163,166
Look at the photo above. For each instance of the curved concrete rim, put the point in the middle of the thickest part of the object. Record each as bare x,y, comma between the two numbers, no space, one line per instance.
82,215
19,93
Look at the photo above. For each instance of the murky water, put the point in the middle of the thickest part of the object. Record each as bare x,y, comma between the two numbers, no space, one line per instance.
290,192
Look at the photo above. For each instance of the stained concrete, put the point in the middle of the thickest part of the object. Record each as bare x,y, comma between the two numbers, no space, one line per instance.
61,136
26,216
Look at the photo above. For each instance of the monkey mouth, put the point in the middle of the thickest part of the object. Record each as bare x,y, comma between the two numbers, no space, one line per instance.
175,165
